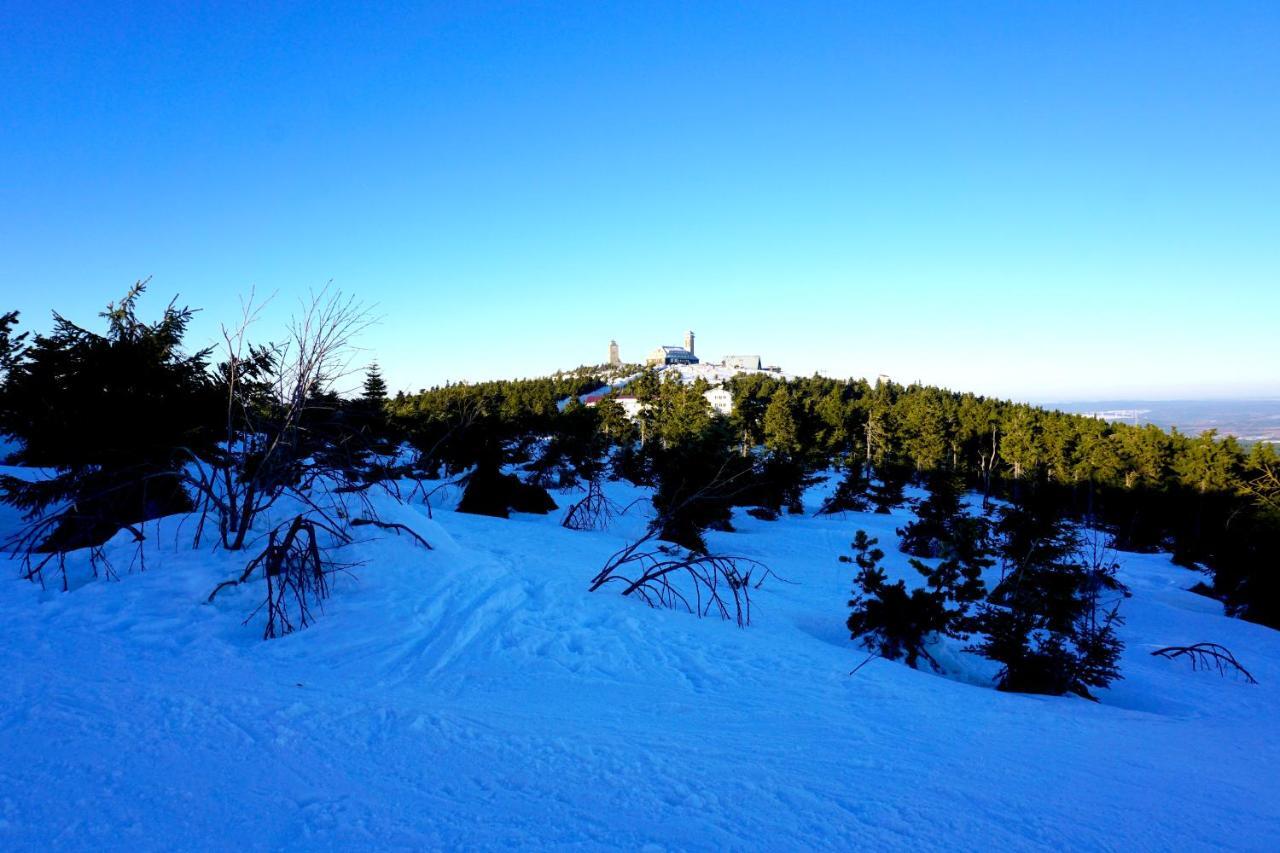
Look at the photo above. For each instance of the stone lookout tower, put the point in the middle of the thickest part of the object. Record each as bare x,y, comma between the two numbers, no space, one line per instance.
688,342
614,358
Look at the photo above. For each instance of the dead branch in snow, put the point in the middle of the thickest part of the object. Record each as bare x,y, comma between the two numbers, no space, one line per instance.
712,583
391,525
1206,656
594,512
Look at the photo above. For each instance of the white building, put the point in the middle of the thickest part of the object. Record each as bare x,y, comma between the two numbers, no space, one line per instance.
721,400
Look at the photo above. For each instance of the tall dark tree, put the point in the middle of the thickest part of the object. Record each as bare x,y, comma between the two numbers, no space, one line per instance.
699,480
886,491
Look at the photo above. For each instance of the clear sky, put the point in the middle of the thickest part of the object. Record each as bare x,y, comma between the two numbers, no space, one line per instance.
1045,201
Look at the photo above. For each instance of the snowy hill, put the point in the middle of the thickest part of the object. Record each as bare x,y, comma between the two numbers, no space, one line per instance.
477,696
713,374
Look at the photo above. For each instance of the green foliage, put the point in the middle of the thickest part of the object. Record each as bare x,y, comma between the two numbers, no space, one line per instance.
111,412
886,492
933,530
925,424
699,480
1046,624
1022,446
879,423
677,413
898,624
781,430
850,494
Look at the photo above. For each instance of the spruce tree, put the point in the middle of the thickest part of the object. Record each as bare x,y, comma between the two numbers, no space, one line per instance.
898,624
1046,623
11,345
114,414
850,494
931,532
699,479
781,432
886,492
375,388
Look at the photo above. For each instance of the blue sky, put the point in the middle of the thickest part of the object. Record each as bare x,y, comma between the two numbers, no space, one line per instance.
1045,201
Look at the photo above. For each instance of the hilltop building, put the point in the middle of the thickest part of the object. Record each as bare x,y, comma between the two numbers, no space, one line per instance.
674,355
669,354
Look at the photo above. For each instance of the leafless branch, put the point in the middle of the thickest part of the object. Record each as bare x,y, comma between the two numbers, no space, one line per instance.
391,525
1205,656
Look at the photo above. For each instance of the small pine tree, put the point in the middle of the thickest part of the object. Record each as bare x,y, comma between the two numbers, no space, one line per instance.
1045,623
851,492
955,585
897,624
375,388
698,479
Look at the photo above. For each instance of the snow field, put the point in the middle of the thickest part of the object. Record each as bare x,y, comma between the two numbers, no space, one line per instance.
477,696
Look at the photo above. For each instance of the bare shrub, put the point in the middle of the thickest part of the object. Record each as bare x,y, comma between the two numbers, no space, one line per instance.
276,440
593,512
36,560
295,568
698,583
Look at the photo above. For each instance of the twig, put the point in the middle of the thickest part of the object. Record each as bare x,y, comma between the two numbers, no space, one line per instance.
391,525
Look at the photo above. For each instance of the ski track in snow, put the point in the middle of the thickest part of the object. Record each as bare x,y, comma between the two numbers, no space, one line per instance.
477,696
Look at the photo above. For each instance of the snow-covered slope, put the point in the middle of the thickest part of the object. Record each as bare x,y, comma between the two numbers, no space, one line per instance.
477,696
716,374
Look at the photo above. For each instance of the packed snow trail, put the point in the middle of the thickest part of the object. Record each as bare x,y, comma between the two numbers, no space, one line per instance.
477,696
